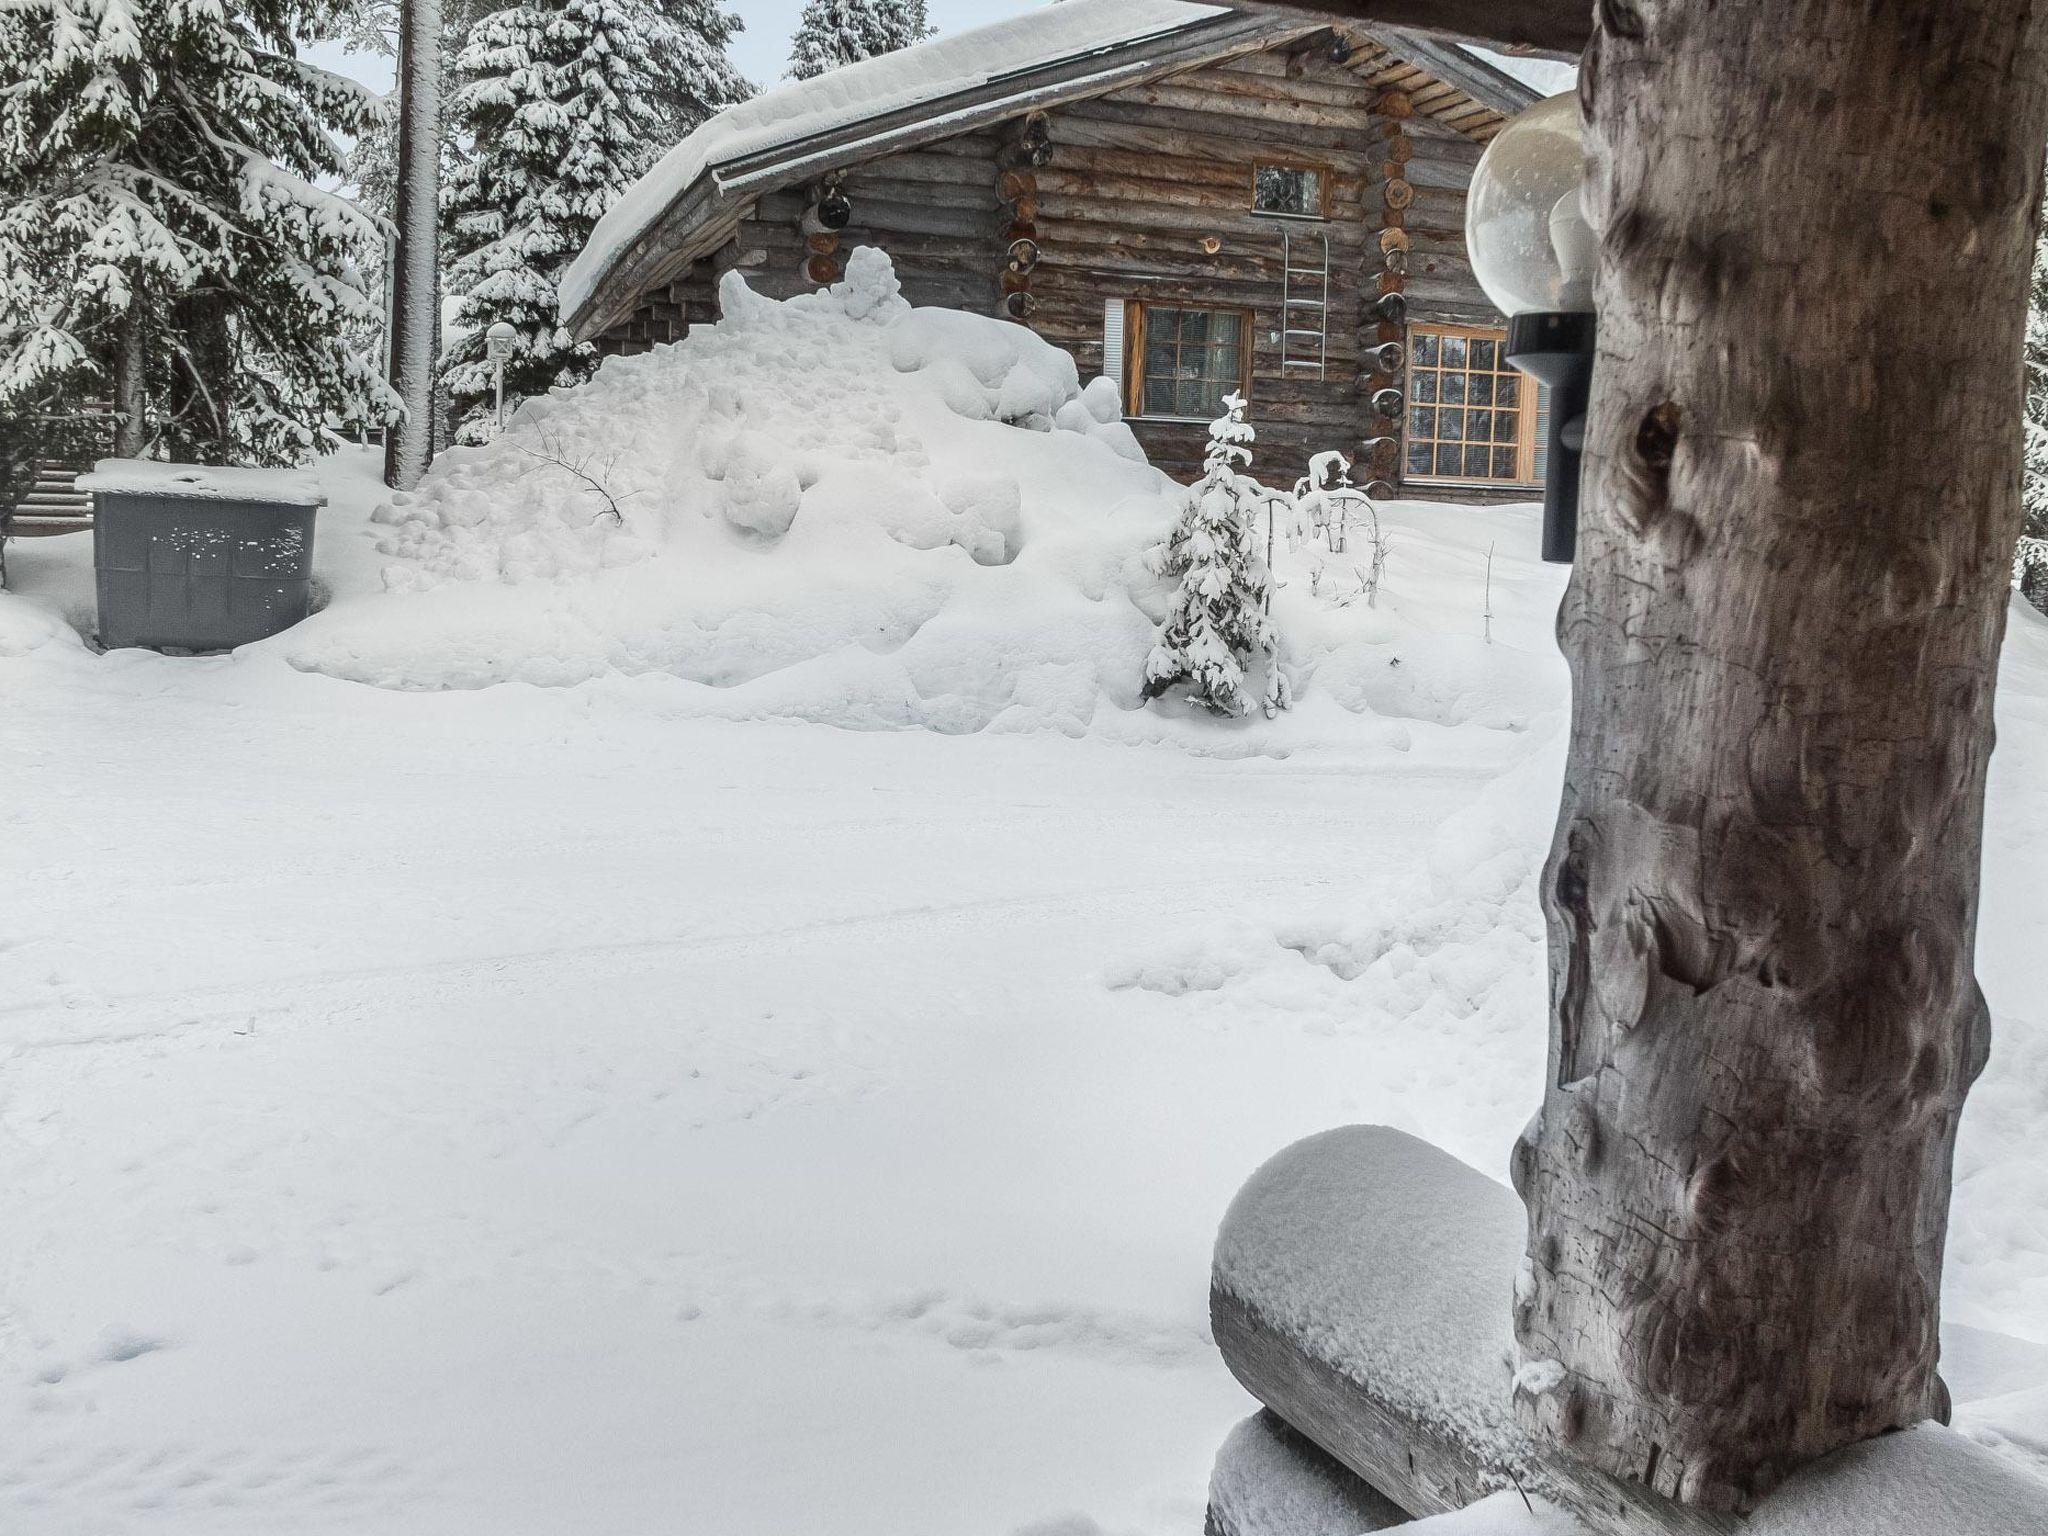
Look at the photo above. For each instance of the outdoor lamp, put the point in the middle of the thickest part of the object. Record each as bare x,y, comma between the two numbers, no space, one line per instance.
498,347
1534,254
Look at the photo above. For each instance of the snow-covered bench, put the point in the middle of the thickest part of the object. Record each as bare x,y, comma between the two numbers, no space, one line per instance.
1361,1290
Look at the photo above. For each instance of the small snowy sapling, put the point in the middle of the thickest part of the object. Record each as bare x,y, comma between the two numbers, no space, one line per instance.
1218,621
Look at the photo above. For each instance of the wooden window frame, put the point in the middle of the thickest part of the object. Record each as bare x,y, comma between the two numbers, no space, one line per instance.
1526,411
1325,175
1135,312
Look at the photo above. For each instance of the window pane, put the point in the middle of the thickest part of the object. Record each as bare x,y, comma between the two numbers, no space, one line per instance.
1287,189
1479,426
1450,425
1423,386
1503,463
1421,421
1454,351
1476,461
1194,326
1450,459
1196,399
1507,389
1481,389
1425,348
1158,395
1419,459
1482,353
1507,426
1454,389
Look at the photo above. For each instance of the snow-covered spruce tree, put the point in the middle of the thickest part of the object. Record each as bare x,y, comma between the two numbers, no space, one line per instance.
2032,563
693,78
162,239
835,32
557,103
1218,621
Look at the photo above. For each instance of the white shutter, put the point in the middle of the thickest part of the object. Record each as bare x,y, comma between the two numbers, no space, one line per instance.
1113,342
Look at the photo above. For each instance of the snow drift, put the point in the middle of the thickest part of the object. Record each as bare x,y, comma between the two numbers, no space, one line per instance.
841,508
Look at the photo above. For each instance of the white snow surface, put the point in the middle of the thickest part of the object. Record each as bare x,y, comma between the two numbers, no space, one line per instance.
801,109
204,482
436,1109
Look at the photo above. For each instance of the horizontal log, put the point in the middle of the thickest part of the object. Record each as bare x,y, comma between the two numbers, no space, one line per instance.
1399,1370
1267,1475
1227,147
976,193
1287,101
1229,188
1250,133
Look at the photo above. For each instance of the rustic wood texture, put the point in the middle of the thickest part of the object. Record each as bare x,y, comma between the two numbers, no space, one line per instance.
1783,630
1559,26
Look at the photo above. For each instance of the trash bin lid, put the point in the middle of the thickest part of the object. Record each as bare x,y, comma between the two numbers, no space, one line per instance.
204,482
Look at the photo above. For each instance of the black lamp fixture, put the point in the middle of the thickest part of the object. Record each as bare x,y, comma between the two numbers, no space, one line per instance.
1534,254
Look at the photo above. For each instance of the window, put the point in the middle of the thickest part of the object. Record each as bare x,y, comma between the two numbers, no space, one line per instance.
1299,191
1186,360
1471,413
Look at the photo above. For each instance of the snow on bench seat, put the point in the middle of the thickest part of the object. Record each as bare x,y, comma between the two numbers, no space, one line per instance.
1362,1290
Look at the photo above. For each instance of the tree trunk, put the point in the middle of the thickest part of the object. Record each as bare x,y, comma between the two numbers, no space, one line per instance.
131,380
1802,481
415,297
198,426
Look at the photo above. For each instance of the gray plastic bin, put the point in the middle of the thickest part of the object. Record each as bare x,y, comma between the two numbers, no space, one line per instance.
192,558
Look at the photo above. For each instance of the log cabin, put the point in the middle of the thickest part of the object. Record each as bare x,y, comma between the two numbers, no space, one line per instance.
1189,199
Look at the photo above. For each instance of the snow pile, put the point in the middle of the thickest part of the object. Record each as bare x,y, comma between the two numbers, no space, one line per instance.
838,507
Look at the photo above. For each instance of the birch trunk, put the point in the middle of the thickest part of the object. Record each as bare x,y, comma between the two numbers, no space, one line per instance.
1802,483
415,289
131,379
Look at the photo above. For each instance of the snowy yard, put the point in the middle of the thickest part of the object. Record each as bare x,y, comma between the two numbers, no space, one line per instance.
550,1109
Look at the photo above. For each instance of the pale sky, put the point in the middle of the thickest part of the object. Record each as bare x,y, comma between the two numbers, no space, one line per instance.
761,51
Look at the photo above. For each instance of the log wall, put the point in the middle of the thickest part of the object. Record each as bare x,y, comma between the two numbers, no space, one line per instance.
934,210
1148,197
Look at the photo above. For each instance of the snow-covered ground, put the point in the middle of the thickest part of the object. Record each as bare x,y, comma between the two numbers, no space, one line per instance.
536,1109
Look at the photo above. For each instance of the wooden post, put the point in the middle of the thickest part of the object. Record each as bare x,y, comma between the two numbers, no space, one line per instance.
415,281
1802,481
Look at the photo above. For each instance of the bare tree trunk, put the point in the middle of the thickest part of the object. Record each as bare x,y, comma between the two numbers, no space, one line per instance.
1802,482
408,443
131,380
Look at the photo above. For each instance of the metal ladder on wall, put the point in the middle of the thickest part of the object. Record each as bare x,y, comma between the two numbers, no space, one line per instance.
1297,341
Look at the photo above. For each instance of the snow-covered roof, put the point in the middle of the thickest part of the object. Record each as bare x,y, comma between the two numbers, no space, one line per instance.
929,72
204,482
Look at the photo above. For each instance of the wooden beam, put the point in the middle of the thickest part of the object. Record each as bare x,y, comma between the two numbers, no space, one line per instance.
1457,66
1554,26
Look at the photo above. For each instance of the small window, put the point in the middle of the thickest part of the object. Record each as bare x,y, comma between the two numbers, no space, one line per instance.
1184,361
1297,191
1468,409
